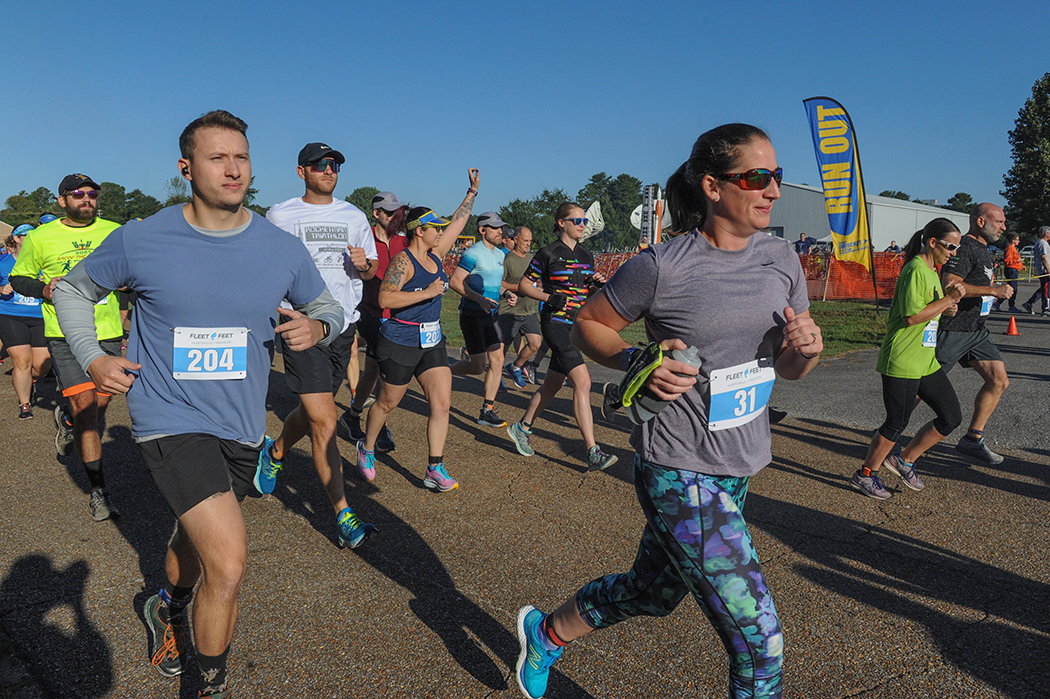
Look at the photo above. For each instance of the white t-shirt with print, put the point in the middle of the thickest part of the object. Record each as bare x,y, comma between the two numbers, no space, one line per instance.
327,230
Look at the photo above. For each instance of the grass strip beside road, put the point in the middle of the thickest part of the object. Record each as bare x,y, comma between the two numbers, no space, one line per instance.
847,326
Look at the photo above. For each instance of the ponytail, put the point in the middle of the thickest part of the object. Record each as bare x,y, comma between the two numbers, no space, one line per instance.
396,224
685,200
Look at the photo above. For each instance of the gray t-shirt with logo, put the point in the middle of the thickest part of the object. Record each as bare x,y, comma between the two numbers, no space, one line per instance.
730,306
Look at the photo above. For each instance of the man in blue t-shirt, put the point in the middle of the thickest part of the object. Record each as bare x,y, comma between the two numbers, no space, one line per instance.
210,276
479,280
803,244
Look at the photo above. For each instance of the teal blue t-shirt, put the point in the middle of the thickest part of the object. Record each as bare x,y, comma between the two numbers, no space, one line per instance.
484,275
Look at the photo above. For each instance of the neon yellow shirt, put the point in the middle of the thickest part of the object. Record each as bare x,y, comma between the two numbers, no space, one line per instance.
52,250
907,352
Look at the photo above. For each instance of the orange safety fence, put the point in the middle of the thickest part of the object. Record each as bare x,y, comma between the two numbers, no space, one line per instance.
836,280
826,277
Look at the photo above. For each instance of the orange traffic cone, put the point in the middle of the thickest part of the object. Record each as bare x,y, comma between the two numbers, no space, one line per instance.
1012,329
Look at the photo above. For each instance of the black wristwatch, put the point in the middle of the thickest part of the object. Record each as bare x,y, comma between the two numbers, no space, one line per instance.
326,328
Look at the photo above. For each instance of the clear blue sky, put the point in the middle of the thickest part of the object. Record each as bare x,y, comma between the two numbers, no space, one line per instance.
537,95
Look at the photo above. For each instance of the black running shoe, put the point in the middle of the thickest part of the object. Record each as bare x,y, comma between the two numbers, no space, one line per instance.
25,412
385,441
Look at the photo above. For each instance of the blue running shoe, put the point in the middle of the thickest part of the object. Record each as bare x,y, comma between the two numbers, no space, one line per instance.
534,660
352,531
266,472
515,372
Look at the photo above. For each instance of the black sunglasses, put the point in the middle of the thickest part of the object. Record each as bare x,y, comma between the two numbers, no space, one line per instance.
323,164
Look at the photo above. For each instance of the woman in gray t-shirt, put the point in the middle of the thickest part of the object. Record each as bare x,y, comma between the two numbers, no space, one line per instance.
695,457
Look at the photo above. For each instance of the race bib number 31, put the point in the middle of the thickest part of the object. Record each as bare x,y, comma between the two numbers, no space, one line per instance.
210,354
739,394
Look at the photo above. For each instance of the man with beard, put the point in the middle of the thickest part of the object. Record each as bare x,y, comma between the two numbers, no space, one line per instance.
963,338
210,276
338,237
48,255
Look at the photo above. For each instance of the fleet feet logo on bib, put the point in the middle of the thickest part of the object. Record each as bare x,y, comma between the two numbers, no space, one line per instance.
210,354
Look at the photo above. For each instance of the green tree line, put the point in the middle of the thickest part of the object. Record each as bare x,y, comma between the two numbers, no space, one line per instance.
619,196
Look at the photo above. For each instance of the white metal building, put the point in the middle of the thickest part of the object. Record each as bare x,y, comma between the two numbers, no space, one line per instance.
800,209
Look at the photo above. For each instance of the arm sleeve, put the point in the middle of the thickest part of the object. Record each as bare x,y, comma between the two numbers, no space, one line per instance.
75,297
325,308
633,287
24,275
28,286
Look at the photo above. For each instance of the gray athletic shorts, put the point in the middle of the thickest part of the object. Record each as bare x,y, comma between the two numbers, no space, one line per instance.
965,347
511,327
71,378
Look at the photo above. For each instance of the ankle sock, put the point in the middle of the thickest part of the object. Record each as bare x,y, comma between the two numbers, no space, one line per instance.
213,671
175,599
435,460
94,473
551,640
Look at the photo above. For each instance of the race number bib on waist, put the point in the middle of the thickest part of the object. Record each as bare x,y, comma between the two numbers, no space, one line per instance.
429,334
739,394
210,354
929,333
986,304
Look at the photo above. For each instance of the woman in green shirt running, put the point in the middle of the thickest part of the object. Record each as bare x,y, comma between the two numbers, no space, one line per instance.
907,363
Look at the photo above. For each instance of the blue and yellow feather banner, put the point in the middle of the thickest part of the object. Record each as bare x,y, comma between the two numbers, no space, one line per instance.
835,144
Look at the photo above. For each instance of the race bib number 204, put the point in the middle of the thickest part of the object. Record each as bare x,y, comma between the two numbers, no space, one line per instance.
210,354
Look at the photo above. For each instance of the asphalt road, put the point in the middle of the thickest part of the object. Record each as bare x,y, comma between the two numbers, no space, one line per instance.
942,593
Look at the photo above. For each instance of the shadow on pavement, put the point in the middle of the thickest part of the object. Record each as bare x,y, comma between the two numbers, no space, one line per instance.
43,609
941,461
401,554
1006,647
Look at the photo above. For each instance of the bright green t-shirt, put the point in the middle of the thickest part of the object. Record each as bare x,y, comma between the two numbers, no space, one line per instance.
908,351
52,250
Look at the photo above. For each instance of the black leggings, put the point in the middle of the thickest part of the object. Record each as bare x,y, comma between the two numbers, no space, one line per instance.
898,395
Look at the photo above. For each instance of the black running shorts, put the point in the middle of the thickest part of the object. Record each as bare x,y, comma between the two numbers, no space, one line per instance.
564,355
479,333
319,369
399,363
190,468
16,331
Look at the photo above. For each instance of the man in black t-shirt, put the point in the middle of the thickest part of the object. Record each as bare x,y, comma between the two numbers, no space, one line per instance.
963,338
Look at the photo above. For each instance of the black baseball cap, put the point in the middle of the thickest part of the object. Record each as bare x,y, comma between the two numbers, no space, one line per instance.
76,181
312,152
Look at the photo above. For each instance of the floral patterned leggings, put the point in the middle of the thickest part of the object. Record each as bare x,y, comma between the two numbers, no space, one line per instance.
696,541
